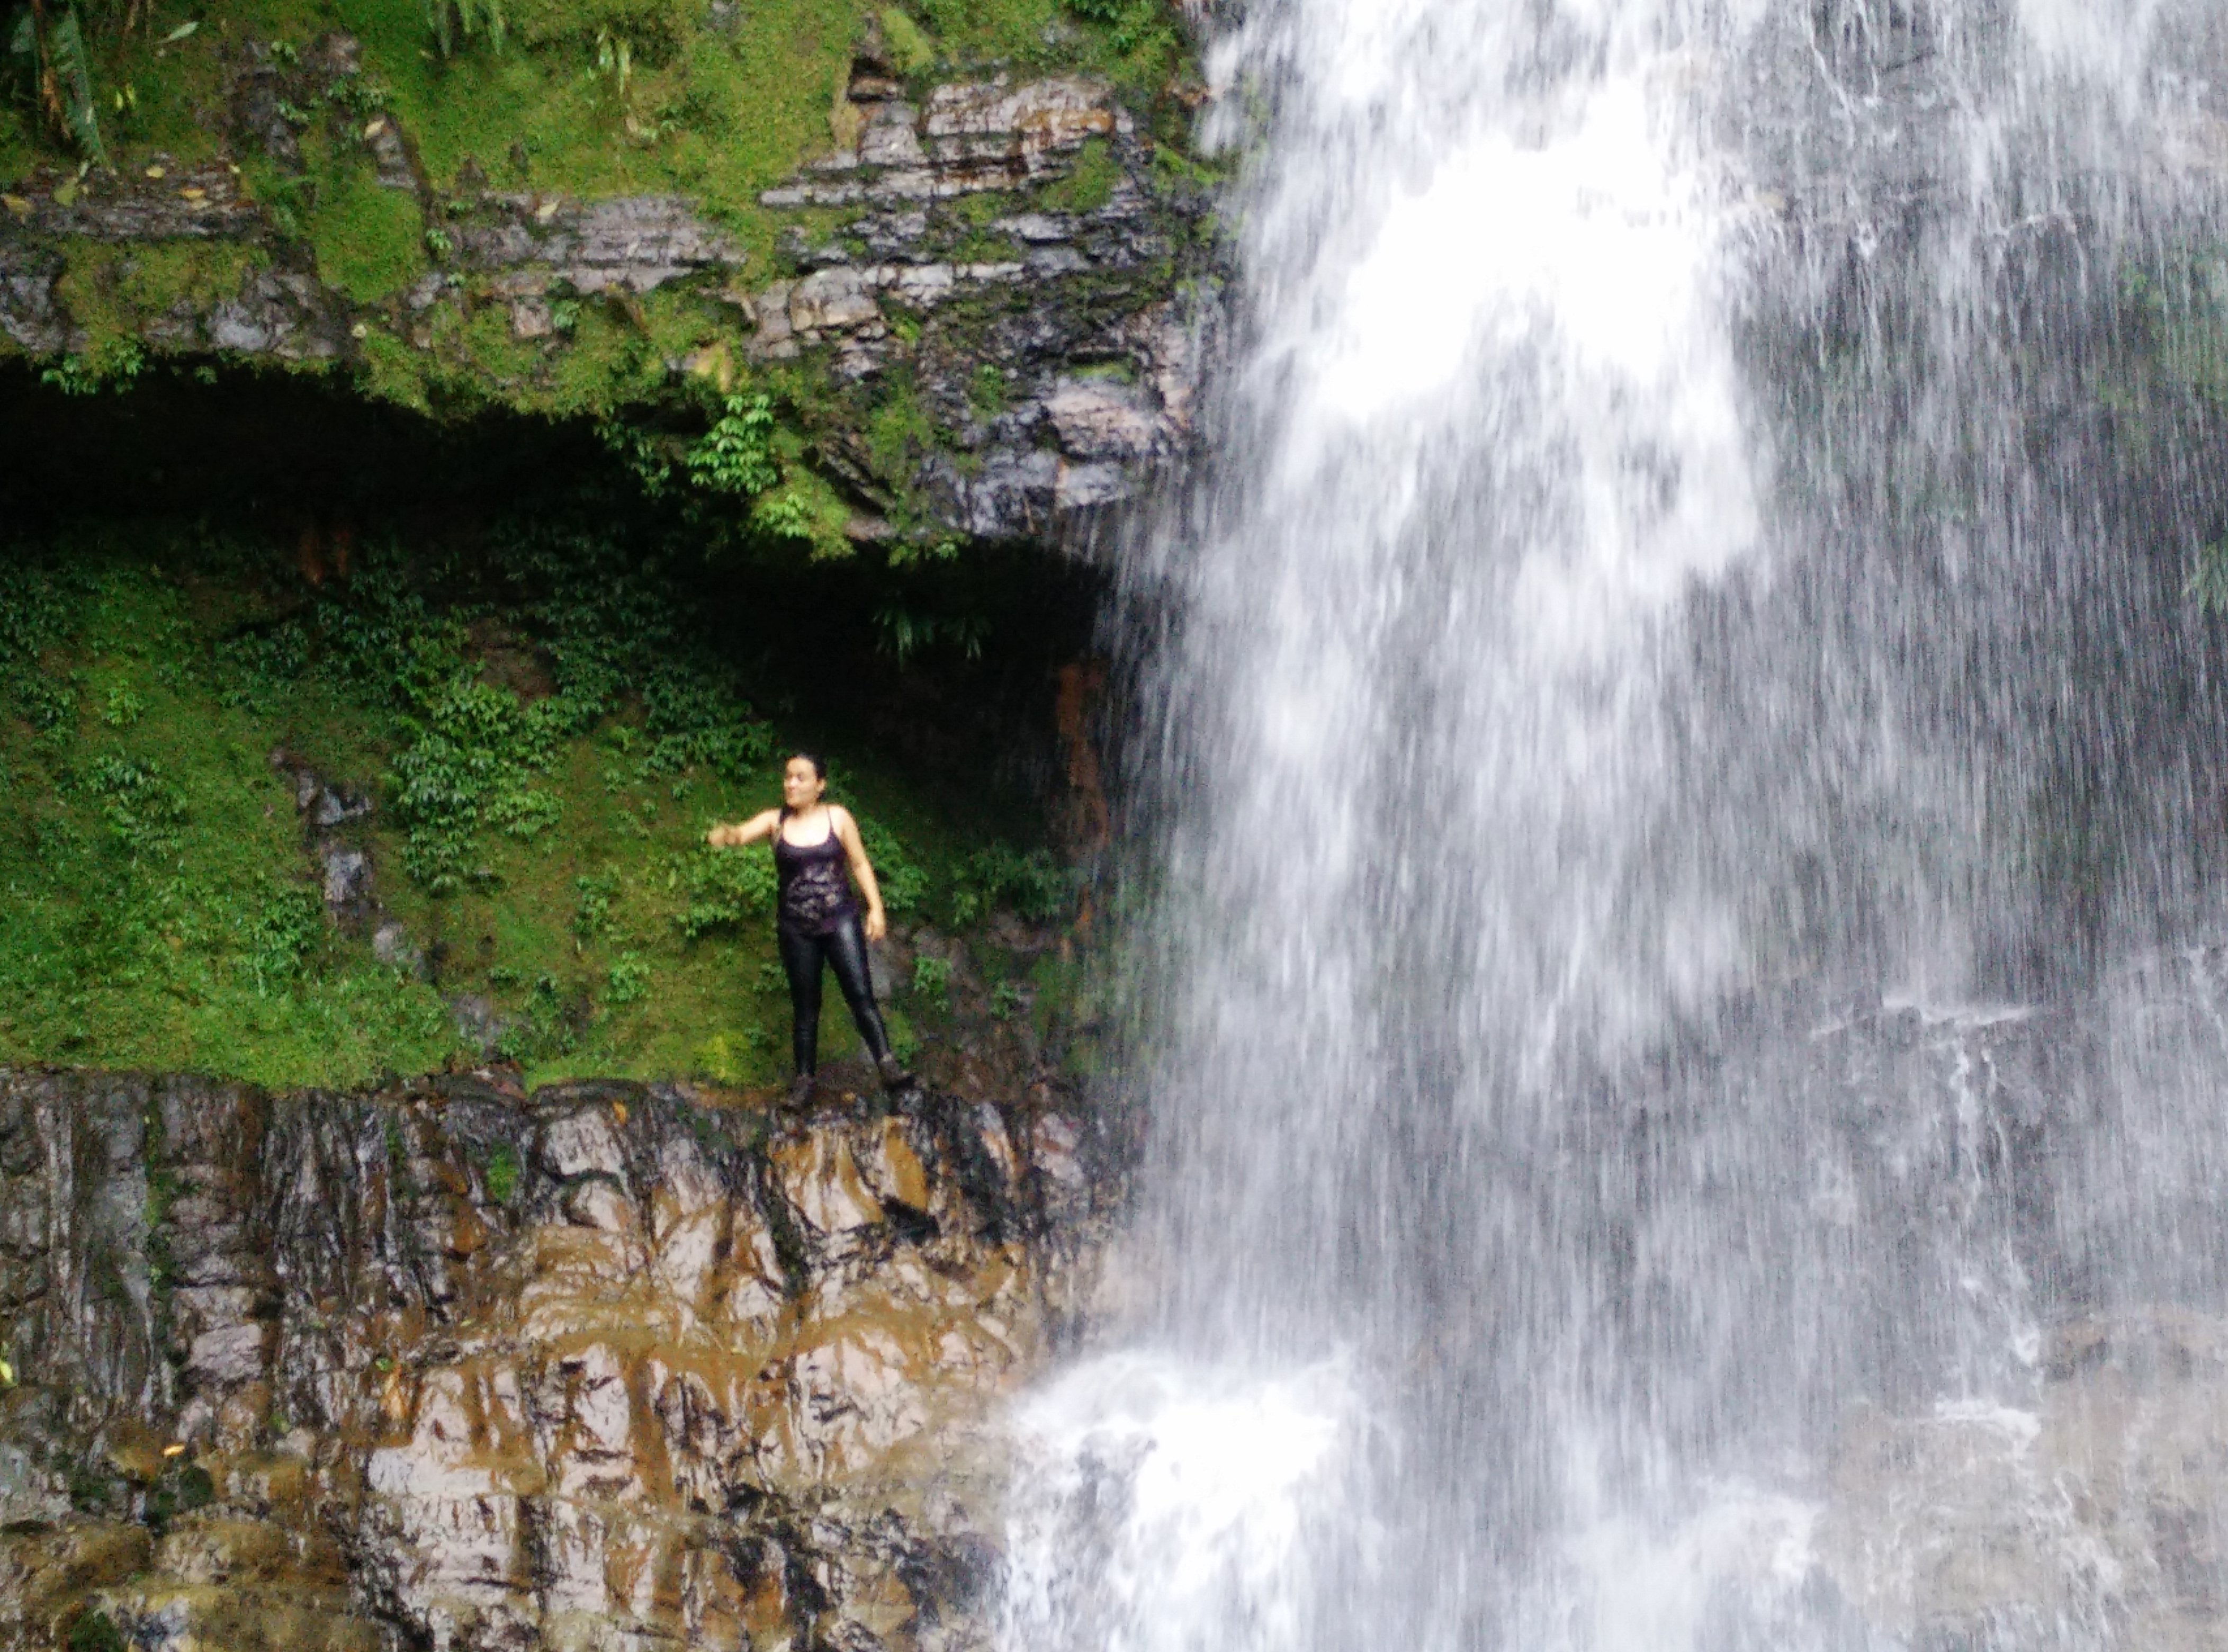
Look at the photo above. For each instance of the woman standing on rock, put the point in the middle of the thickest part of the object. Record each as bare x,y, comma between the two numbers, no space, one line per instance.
816,920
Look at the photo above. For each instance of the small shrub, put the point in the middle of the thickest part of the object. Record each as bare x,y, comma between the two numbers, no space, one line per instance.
145,813
904,884
279,934
722,888
181,1489
931,981
628,981
252,665
736,455
95,1631
48,705
1035,885
120,707
594,894
454,23
470,765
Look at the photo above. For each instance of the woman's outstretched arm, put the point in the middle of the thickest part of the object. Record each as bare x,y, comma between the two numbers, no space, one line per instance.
862,873
762,824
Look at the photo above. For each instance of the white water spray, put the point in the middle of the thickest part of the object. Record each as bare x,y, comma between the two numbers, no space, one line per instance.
1622,636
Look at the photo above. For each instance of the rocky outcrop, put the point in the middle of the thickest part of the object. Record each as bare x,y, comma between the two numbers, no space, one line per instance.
1007,252
454,1365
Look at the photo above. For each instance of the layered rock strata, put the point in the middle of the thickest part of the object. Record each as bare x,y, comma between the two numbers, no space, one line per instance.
454,1365
1012,251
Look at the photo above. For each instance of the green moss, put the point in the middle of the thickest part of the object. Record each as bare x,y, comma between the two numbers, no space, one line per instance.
912,50
15,149
1090,182
656,28
90,290
370,241
392,371
900,430
157,277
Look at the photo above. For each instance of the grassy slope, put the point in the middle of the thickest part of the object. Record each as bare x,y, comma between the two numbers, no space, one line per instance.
159,922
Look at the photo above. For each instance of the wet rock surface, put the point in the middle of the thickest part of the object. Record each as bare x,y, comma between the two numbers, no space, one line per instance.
2101,1506
451,1365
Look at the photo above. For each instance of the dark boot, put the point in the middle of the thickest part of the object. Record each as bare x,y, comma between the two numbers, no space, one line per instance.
894,1076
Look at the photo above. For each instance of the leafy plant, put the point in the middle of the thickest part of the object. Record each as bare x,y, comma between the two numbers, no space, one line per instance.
456,23
279,934
120,707
905,631
931,981
903,883
736,455
470,765
252,665
49,51
1007,1001
114,365
592,911
1035,885
182,1488
721,889
144,812
1134,23
628,979
692,717
95,1631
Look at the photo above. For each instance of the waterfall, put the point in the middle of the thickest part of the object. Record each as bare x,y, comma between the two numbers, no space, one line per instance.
1679,669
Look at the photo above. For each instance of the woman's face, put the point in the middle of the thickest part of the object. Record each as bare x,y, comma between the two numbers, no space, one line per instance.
800,786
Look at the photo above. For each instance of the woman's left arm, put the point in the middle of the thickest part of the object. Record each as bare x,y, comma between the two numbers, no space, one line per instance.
863,872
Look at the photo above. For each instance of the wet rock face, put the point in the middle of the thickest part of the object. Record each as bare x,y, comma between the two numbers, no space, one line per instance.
451,1365
2101,1504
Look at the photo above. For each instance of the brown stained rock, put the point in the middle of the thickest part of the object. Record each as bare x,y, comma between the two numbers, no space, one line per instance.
583,1141
48,1573
682,1388
818,1174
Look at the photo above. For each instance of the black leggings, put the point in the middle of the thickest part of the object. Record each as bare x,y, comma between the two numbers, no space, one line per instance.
844,949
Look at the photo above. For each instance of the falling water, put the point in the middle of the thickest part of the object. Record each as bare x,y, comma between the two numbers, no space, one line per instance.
1685,787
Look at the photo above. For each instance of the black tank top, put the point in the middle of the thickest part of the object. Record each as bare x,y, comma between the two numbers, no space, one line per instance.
816,895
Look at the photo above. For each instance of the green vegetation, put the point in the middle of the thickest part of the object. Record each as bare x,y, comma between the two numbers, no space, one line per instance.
587,96
1090,185
375,162
95,1631
370,240
547,725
